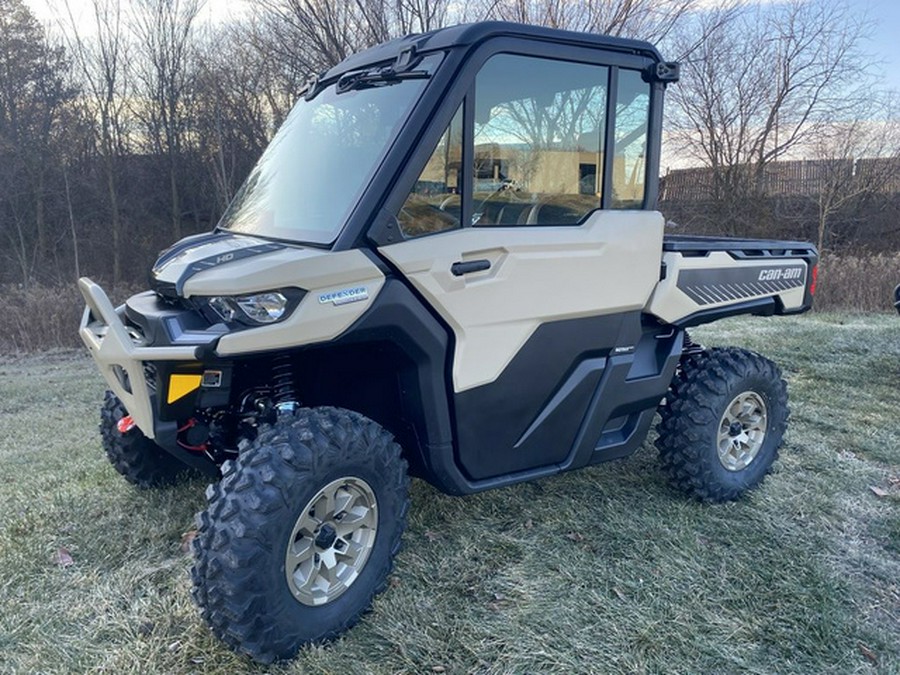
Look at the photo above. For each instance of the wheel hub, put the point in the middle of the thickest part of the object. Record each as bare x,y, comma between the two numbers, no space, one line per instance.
326,537
331,541
742,431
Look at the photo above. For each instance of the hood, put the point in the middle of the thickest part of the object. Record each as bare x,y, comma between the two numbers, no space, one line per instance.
194,255
233,264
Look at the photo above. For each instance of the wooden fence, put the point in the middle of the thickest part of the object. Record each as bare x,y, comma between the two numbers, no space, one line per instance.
792,178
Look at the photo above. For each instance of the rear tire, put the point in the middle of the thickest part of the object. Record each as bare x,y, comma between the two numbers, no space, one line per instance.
722,423
300,533
141,461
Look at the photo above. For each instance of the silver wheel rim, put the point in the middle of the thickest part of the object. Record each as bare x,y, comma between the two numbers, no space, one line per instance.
742,431
331,541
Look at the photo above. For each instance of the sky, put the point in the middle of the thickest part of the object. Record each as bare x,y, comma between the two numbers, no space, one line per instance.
47,11
885,40
883,43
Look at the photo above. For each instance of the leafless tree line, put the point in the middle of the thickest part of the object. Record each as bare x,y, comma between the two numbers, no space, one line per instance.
116,140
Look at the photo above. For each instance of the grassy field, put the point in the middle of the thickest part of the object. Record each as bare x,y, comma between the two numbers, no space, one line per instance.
606,570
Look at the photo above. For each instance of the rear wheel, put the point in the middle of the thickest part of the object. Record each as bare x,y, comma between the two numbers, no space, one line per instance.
300,533
141,461
722,423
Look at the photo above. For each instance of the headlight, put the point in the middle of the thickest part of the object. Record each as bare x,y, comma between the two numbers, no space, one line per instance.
259,308
264,307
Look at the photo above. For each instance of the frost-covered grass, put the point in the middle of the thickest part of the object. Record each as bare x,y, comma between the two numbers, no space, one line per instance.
606,570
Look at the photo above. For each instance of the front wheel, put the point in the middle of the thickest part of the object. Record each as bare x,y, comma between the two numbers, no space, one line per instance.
300,533
141,461
722,423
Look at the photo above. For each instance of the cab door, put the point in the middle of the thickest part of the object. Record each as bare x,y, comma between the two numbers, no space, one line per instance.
512,249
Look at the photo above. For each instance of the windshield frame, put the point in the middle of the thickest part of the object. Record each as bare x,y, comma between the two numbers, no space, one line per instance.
433,60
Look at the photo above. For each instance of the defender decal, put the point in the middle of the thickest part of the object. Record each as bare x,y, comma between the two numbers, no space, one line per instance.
345,296
711,286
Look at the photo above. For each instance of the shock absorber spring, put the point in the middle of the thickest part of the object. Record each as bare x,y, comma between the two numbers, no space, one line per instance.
283,393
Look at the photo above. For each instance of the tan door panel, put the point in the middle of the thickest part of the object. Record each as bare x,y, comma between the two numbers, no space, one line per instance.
537,274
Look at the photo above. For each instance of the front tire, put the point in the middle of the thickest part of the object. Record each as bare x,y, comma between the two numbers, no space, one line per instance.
300,533
722,423
141,461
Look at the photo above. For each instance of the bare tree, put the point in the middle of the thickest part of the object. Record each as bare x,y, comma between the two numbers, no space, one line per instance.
763,83
102,65
317,34
33,94
852,161
649,20
239,101
165,30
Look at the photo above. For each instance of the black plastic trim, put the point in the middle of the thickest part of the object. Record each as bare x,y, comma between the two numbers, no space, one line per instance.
398,317
461,267
165,326
609,139
744,248
622,409
466,35
529,416
615,419
760,307
654,150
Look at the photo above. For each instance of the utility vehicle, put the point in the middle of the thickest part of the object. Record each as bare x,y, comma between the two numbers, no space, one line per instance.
446,264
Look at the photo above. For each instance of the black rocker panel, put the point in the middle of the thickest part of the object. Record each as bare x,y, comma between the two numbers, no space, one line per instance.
529,416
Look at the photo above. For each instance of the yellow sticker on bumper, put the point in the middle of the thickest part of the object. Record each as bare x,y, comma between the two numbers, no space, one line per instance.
182,385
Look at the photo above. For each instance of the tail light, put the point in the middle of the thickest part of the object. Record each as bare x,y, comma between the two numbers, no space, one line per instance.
815,279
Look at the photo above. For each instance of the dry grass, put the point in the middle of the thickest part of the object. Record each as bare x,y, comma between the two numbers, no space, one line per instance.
606,570
39,318
857,283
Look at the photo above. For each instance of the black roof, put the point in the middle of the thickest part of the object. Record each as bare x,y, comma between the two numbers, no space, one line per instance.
472,33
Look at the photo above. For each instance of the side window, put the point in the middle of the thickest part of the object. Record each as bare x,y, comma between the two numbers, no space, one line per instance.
434,204
539,128
629,159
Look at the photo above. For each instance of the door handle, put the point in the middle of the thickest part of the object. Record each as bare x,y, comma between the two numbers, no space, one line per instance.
460,268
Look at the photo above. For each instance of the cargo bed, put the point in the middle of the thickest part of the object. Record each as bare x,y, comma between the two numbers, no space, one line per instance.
688,244
708,278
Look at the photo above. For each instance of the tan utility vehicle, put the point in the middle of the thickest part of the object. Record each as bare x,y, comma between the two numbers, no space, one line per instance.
446,264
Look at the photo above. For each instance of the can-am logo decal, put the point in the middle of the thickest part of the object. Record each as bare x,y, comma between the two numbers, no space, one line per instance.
345,295
780,273
734,284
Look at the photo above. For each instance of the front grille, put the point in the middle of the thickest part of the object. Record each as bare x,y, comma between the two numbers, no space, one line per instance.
166,292
150,375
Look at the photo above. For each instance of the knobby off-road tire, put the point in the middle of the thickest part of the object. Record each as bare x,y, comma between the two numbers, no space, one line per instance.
722,423
136,457
248,587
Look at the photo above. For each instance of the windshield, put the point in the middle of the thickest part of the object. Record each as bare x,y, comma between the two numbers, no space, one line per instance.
323,156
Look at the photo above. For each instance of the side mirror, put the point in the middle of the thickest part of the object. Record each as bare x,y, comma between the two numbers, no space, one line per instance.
665,71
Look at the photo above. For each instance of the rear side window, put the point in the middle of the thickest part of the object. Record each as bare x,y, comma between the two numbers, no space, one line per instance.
629,160
539,134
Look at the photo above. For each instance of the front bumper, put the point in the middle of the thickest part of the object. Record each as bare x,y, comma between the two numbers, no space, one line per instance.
121,356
